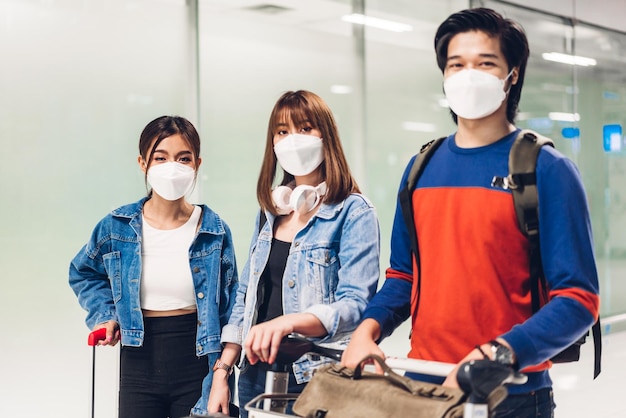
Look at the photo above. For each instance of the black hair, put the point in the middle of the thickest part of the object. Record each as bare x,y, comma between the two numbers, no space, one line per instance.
164,127
511,35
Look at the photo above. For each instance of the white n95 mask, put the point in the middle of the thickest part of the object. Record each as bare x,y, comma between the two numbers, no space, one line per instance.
474,94
171,180
302,199
299,154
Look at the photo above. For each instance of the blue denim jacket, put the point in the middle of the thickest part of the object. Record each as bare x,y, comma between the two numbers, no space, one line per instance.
332,272
105,276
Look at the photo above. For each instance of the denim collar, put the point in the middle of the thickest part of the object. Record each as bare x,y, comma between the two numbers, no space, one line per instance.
211,223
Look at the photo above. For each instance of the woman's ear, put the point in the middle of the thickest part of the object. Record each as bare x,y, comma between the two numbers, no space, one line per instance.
142,164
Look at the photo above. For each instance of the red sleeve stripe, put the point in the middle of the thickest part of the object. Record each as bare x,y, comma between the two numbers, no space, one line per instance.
589,300
395,274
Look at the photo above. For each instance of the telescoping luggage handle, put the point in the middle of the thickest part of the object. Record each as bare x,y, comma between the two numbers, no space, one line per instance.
92,340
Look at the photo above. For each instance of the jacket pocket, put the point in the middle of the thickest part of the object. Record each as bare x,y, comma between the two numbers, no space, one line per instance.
322,275
113,266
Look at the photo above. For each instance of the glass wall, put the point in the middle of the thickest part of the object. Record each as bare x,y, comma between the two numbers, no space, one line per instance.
78,82
582,107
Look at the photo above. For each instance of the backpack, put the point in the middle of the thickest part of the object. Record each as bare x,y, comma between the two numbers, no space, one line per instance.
523,185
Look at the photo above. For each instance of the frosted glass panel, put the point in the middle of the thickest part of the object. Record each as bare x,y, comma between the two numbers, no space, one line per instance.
78,81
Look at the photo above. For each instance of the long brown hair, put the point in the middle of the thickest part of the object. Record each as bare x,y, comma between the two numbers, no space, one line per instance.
299,107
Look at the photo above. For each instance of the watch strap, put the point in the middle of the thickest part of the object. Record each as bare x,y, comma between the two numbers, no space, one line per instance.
502,354
219,364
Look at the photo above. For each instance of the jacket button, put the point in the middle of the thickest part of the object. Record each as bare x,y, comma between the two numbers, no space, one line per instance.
196,269
200,295
291,283
199,347
297,244
199,323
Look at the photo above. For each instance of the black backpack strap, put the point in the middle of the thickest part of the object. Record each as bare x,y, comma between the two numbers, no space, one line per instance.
406,201
522,181
596,330
406,193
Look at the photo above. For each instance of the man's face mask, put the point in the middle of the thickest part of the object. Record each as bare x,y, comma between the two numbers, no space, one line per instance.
474,94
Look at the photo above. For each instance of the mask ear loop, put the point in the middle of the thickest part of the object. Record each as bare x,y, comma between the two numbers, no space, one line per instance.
506,78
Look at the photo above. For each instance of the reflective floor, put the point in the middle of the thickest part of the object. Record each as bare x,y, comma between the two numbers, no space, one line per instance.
578,395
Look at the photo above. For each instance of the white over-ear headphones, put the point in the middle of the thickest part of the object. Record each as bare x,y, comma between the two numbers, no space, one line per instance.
302,199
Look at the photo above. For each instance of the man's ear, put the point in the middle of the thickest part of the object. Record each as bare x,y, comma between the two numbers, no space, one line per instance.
514,76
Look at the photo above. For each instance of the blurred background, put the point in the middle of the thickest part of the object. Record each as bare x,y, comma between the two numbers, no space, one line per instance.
79,79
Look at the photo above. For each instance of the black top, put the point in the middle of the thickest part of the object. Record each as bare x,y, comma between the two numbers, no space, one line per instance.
270,290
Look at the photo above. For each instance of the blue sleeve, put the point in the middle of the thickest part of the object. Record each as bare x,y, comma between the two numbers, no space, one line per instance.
391,306
401,259
89,279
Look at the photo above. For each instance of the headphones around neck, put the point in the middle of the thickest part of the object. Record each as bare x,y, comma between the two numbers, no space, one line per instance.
301,199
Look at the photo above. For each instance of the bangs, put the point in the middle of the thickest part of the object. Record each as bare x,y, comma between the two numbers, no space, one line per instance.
293,110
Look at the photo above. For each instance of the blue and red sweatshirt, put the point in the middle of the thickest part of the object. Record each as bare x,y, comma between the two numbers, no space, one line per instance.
474,261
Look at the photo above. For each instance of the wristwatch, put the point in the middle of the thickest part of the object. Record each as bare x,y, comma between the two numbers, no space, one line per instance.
219,364
502,354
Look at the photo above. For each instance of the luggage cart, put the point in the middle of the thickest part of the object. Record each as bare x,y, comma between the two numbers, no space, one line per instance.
476,378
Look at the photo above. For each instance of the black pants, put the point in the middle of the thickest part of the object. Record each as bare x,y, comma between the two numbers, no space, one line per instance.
164,377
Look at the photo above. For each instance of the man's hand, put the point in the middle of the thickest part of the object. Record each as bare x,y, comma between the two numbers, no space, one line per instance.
362,344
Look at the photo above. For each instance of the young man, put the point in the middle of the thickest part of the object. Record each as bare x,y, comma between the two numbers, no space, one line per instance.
474,292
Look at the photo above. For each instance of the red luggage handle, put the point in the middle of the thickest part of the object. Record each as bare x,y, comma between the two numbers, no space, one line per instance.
92,340
97,335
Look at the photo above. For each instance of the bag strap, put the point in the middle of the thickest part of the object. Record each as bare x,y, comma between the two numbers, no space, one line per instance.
388,373
406,201
411,386
405,196
522,181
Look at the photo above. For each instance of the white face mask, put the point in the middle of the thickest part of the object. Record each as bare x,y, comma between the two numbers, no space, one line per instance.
171,180
302,199
474,94
299,154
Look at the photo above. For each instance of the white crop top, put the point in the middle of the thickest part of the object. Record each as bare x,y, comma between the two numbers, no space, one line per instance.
166,282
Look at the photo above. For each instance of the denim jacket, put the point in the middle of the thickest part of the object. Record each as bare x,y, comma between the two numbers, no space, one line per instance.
332,272
105,276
